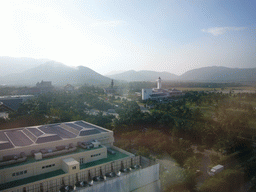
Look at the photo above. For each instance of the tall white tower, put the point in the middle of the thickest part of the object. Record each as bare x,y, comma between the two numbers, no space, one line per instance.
159,83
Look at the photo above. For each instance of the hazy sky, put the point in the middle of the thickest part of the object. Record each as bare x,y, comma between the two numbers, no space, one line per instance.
172,35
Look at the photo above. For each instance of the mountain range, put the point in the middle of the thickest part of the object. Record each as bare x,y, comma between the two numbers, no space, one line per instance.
58,73
143,76
204,74
28,71
9,65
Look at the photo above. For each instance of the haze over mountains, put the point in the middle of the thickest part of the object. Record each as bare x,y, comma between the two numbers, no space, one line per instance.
58,73
143,75
28,71
220,74
9,65
205,74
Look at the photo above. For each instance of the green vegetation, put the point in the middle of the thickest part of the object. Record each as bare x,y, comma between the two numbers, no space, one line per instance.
226,181
184,181
62,107
224,123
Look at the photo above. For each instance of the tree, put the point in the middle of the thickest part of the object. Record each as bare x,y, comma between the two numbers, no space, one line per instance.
192,163
226,181
143,151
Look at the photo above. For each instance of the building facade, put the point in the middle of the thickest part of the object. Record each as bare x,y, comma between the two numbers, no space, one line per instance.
72,156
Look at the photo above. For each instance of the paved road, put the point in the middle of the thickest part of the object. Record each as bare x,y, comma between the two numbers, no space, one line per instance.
203,168
206,161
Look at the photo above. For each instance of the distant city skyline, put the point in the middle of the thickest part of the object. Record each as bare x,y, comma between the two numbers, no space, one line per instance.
173,36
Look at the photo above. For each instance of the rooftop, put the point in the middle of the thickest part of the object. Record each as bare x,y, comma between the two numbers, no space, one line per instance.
27,136
111,157
15,96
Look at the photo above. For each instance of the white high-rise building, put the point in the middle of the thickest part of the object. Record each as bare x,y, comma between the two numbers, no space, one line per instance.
159,83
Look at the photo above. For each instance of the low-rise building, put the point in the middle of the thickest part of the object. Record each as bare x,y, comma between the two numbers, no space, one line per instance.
44,86
4,111
69,88
14,101
71,156
159,93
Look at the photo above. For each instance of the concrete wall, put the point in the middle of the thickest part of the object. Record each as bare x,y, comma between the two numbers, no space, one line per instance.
152,187
142,180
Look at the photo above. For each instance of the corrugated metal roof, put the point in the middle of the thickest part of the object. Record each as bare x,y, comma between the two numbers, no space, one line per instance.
46,133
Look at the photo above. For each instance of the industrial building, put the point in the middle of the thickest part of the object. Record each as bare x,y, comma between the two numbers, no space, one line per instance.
13,101
159,93
71,156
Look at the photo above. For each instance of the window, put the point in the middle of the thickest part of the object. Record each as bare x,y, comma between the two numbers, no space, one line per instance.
95,155
74,167
47,166
19,173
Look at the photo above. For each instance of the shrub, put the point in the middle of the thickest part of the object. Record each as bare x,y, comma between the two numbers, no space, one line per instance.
201,148
143,151
179,156
214,159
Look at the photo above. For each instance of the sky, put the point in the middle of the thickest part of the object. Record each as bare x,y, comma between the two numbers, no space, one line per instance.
108,35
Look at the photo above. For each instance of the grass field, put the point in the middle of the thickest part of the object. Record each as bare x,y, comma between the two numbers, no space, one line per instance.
224,90
197,89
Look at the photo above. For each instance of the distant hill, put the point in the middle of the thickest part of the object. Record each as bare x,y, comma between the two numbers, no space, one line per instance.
113,72
220,74
9,65
58,73
204,74
29,71
143,76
